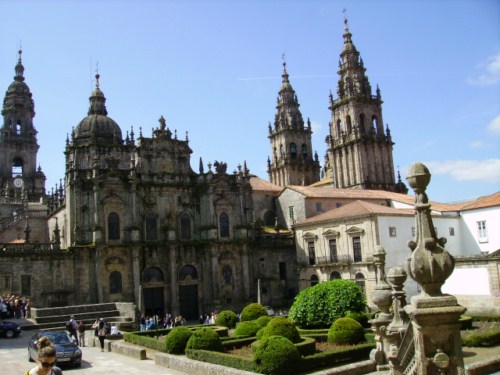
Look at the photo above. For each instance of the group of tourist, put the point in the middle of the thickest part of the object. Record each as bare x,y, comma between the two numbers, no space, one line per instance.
147,323
14,306
208,318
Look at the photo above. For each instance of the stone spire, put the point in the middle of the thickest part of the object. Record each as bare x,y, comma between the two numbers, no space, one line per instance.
292,158
18,141
359,152
97,100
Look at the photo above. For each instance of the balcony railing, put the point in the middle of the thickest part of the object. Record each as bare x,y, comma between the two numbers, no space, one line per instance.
342,259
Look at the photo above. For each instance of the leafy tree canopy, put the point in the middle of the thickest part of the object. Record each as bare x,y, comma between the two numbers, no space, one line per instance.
326,302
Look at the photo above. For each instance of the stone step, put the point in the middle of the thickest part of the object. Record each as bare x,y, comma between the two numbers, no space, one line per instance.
78,316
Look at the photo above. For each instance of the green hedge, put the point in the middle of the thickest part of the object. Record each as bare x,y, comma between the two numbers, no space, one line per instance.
237,342
482,339
307,346
222,359
485,318
146,341
332,358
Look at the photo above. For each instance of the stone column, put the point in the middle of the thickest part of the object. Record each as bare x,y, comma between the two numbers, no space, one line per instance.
436,327
382,297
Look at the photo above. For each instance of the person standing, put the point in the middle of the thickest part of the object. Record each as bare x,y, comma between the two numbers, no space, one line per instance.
142,323
81,333
101,333
71,327
46,361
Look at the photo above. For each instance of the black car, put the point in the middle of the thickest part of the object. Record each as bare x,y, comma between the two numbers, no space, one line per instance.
9,329
67,352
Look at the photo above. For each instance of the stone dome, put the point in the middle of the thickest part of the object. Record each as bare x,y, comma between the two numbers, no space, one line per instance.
97,127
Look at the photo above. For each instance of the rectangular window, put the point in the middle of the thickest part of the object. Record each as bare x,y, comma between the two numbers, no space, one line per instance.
413,231
333,250
26,285
356,247
452,231
290,213
282,270
392,231
482,231
312,253
6,282
319,207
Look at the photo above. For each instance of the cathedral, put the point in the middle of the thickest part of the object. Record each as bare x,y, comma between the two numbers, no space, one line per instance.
133,222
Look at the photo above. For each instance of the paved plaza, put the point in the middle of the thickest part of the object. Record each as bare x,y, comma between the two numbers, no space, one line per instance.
14,360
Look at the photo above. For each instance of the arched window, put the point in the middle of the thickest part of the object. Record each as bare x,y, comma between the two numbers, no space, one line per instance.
335,276
339,127
152,274
362,123
224,225
348,124
18,127
17,167
115,282
293,151
185,226
188,272
282,152
113,226
227,274
314,280
304,152
151,228
360,280
375,124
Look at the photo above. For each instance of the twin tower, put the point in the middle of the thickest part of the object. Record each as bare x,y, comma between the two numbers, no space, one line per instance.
359,149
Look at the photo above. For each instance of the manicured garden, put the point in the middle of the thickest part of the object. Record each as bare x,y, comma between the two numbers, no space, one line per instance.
326,327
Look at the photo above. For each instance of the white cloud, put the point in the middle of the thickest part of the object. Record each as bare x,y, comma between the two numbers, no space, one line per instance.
476,144
494,126
491,74
467,170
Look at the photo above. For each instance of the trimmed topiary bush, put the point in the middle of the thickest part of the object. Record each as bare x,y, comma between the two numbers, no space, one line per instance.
361,318
249,328
204,339
326,302
176,340
227,318
346,331
263,320
281,326
276,355
252,312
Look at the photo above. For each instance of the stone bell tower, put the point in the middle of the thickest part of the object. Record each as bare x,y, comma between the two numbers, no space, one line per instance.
292,161
359,150
18,143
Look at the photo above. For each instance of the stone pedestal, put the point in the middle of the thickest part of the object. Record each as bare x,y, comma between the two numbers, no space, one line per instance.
436,330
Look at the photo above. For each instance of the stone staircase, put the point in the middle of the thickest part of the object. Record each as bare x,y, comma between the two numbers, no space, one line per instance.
123,315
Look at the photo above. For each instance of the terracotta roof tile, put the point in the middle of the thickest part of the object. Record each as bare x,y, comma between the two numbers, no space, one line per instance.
258,184
354,209
329,192
481,202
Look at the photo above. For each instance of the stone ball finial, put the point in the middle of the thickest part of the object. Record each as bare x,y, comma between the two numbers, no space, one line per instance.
397,276
418,176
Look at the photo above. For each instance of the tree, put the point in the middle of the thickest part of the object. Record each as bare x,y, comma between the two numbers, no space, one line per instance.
326,302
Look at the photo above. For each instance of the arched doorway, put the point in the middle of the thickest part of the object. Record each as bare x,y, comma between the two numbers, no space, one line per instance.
152,282
188,292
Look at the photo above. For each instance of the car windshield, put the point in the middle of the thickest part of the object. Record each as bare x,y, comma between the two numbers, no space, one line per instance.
60,338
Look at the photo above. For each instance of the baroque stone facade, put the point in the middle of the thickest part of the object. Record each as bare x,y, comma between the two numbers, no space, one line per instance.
132,222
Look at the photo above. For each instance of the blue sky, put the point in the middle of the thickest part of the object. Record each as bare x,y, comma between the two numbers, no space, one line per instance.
213,69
